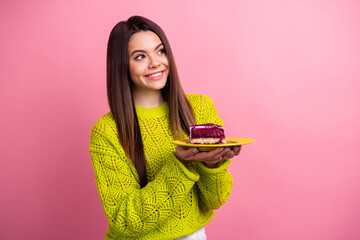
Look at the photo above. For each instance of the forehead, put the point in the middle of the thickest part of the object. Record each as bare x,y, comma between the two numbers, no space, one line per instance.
145,40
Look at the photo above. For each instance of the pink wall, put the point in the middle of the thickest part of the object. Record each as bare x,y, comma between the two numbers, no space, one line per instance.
283,72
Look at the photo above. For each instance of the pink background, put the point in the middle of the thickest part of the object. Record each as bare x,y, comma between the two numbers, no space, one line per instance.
284,72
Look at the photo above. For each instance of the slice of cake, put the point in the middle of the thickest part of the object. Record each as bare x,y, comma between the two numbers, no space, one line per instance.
208,133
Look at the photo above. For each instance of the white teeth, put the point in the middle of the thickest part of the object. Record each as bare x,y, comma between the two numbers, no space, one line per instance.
155,75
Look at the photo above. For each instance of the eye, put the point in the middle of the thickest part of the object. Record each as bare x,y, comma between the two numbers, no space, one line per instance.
161,51
139,57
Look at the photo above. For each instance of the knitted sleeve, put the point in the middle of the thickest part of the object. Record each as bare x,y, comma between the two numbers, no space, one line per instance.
215,184
131,210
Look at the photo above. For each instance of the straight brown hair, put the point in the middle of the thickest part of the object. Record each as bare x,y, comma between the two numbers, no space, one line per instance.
119,91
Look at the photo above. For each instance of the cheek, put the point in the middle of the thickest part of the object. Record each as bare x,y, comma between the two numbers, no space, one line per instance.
166,61
135,69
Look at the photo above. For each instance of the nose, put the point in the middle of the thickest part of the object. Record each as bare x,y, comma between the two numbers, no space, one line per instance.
154,62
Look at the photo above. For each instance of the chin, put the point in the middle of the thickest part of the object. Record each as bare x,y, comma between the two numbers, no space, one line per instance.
158,85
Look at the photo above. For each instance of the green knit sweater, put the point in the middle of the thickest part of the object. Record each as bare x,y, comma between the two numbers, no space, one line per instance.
178,199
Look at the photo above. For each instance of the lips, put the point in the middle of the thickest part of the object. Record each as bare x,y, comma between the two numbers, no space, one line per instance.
155,76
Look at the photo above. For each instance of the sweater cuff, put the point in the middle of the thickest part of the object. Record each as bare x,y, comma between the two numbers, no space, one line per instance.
224,165
189,171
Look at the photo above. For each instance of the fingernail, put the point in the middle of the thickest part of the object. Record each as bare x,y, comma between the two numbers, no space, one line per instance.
195,150
221,149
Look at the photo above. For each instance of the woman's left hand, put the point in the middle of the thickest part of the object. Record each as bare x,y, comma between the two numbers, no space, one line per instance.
210,159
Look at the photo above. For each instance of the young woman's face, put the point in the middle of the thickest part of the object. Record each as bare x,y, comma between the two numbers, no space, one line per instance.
148,63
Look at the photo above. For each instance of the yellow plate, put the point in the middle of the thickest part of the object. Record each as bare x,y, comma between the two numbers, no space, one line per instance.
230,142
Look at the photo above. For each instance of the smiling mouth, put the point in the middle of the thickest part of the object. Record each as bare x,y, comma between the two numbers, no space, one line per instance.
155,76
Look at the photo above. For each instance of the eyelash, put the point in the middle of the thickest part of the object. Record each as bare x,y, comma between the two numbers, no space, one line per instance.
162,50
138,57
141,56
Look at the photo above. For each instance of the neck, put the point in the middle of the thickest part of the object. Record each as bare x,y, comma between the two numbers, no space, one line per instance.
147,99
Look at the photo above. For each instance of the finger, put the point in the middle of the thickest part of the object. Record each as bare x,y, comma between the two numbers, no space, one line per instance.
214,154
221,155
222,158
229,154
201,157
237,150
185,153
191,152
208,156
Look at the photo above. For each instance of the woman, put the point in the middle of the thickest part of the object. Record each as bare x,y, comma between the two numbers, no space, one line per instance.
149,189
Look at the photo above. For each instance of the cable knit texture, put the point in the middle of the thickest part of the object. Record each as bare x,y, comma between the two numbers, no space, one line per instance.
178,199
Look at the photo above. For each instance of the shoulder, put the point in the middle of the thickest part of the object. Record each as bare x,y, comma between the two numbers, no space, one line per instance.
199,100
204,109
104,131
105,124
104,137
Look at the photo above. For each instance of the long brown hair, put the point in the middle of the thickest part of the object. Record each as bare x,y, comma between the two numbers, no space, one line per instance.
119,86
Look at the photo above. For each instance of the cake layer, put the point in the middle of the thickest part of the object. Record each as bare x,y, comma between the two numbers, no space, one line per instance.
207,134
208,140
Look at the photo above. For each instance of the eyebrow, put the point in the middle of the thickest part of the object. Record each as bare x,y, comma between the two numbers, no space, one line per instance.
144,51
